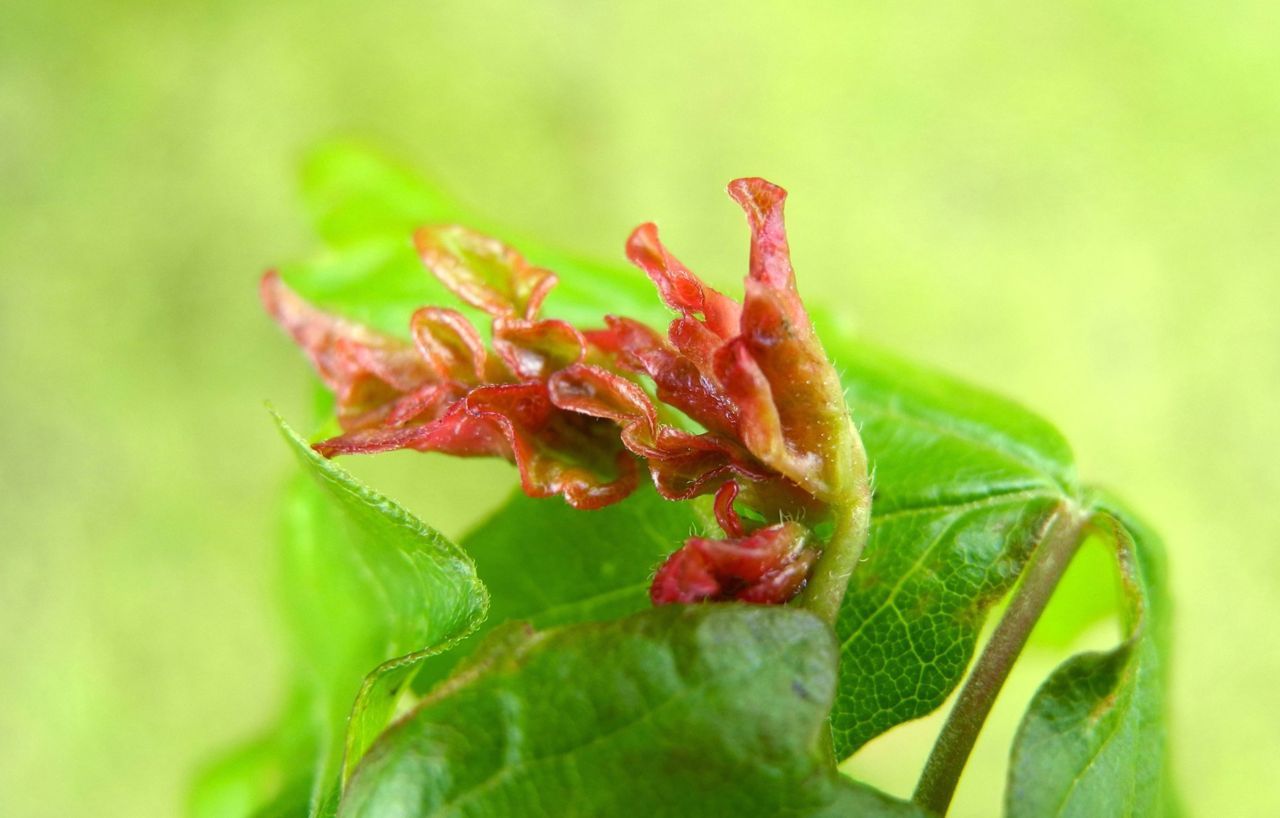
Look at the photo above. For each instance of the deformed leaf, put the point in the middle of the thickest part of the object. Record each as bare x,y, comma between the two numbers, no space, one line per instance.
698,711
379,282
1092,743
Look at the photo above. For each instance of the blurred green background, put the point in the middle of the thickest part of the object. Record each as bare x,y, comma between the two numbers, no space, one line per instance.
1074,204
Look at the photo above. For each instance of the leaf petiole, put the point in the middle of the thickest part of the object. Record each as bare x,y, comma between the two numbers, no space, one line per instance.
830,577
1048,563
831,573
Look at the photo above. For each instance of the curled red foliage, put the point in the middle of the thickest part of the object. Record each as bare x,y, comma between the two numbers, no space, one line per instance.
767,567
447,393
569,407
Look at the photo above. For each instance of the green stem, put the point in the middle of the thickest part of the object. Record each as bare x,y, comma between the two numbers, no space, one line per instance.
830,576
1045,568
831,573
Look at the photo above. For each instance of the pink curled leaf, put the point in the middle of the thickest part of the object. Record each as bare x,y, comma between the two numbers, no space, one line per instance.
450,344
679,288
570,410
533,350
366,370
483,271
767,566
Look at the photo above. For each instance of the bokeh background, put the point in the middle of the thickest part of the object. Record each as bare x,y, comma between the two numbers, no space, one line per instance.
1075,204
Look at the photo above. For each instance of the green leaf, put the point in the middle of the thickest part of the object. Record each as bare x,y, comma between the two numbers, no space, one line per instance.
371,587
851,799
964,485
1092,743
370,592
699,711
549,564
355,195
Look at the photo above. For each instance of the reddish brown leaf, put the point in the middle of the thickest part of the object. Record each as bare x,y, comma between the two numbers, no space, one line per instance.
483,271
767,566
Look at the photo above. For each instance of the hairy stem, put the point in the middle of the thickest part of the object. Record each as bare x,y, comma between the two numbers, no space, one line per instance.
1045,568
831,573
830,576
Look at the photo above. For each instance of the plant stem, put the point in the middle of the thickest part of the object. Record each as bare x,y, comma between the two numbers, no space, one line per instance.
830,576
1045,568
831,573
